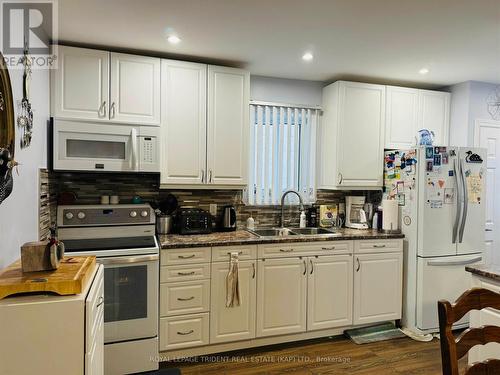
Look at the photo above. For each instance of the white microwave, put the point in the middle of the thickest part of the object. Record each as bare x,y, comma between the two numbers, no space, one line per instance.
87,146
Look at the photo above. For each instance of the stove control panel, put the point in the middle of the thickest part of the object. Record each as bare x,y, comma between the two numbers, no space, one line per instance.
88,215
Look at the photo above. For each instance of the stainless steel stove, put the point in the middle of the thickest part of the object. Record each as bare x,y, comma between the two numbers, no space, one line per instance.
122,237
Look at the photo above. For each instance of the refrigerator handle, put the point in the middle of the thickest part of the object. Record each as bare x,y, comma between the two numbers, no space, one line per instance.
453,262
465,202
459,207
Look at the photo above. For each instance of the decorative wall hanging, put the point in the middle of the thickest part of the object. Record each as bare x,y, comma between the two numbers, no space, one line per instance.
493,103
25,118
7,132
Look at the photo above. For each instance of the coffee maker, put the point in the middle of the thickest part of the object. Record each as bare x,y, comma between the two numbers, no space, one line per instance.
355,212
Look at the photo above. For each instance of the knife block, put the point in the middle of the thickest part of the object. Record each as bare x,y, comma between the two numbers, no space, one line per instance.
35,256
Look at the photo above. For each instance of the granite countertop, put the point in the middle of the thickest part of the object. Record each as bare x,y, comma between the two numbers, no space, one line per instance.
243,237
491,272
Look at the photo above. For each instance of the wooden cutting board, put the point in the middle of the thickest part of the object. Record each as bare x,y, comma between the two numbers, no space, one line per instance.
70,278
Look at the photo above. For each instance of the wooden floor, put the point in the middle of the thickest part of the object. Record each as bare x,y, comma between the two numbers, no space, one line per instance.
326,356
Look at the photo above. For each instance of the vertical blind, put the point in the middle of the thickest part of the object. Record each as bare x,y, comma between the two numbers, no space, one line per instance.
282,153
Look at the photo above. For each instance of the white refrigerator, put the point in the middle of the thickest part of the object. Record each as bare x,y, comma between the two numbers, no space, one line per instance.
441,193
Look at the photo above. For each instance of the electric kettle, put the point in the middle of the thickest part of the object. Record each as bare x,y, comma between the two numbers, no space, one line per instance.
228,222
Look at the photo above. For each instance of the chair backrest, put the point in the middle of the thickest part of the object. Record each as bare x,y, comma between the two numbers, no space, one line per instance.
453,349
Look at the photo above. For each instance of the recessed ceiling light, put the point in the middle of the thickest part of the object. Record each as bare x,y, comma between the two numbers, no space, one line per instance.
423,71
173,39
308,56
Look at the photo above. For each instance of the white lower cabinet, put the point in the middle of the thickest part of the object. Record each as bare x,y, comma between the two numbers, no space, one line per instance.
329,292
238,322
281,296
377,287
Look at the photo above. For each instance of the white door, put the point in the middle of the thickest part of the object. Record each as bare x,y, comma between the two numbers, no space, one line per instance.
401,117
437,215
238,322
228,125
377,287
487,135
434,114
329,292
80,84
184,108
471,233
361,134
135,89
281,296
440,278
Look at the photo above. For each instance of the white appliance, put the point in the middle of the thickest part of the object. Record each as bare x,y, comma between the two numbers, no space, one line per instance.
441,193
87,146
355,212
122,237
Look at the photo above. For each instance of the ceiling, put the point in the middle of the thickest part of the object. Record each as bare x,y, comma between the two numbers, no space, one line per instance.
385,41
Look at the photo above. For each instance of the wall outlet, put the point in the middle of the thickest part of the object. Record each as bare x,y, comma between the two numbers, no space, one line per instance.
213,209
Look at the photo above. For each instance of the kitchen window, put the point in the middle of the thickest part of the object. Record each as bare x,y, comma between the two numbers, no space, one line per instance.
282,152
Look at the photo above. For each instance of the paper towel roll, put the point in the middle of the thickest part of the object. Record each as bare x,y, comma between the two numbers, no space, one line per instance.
390,213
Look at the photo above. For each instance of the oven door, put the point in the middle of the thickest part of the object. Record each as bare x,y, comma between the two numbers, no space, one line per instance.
84,146
130,297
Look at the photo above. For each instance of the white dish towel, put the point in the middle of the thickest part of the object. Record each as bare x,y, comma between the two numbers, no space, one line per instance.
232,282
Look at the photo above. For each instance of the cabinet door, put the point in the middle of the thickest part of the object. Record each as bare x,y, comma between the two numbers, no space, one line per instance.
329,292
434,115
94,326
360,134
401,117
184,122
80,84
238,322
281,296
228,125
377,287
135,89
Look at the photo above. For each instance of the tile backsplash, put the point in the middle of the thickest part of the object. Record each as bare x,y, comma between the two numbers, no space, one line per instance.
88,188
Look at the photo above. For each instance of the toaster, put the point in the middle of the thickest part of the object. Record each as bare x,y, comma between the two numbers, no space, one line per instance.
193,221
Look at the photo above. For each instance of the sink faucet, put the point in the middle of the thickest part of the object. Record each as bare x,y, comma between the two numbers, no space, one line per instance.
283,204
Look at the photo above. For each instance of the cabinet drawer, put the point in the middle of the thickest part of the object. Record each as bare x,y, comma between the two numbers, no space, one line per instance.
304,249
185,272
378,246
184,331
184,297
222,253
186,255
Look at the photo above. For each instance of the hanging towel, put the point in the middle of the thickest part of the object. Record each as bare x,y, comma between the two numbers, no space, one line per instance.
232,282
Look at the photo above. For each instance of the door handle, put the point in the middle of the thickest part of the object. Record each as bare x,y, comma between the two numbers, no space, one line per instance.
253,269
101,109
359,265
312,267
286,250
112,110
488,230
459,208
202,176
186,256
328,248
185,299
101,301
341,178
185,333
465,204
185,273
305,267
210,176
453,263
126,260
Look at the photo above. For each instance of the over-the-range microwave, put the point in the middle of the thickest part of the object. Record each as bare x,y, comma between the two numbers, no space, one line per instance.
87,146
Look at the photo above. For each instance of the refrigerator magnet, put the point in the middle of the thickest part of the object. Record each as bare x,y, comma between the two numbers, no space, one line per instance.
449,195
430,165
436,204
444,158
436,150
437,160
429,152
401,199
406,220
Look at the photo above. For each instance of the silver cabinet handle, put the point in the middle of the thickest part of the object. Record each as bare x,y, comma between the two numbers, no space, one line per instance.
305,267
186,273
359,265
239,252
101,109
253,268
112,110
341,178
186,256
185,299
328,248
185,333
202,176
378,246
101,301
312,266
488,230
210,176
286,250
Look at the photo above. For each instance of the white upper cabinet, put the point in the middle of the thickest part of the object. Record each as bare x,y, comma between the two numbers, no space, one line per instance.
402,108
228,125
95,85
434,115
80,84
184,122
135,89
352,136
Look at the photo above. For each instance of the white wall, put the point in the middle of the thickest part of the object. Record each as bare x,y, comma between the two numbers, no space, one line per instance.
291,91
19,212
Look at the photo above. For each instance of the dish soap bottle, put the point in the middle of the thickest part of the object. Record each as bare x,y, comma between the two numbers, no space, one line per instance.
250,222
302,219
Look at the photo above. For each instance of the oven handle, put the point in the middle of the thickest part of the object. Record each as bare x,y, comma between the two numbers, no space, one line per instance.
129,259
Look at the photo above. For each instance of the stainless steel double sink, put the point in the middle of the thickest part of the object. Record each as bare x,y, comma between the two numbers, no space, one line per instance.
284,232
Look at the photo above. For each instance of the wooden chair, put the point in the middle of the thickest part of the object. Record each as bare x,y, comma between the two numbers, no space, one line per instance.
453,349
